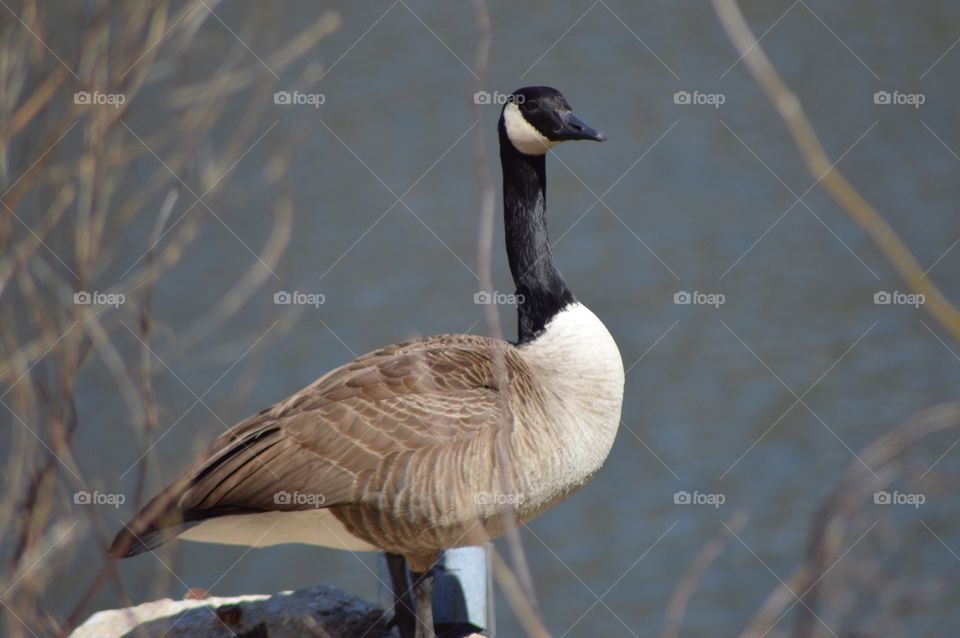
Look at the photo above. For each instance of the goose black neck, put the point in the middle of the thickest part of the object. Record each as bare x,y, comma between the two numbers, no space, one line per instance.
544,293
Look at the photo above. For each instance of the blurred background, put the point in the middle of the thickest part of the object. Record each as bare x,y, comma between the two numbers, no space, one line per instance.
199,198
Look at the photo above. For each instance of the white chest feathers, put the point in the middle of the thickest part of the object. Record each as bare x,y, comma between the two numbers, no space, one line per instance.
580,373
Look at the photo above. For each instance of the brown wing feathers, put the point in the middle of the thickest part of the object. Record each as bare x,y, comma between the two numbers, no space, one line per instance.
342,428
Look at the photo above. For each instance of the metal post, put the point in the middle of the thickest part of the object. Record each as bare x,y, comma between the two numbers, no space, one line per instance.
462,589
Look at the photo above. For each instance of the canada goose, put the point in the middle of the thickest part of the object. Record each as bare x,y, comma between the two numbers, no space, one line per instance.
411,449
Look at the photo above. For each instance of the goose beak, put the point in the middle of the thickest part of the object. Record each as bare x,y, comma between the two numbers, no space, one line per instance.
573,128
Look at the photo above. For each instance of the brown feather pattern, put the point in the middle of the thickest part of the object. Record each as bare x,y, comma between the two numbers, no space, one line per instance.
360,436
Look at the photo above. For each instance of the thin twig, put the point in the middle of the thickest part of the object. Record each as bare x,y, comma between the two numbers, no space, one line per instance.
825,171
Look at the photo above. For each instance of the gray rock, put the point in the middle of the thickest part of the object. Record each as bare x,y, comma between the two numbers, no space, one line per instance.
319,611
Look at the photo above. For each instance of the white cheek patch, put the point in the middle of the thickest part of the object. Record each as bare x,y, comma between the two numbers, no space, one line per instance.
524,137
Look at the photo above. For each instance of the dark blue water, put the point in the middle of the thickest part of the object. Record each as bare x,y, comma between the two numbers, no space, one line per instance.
702,211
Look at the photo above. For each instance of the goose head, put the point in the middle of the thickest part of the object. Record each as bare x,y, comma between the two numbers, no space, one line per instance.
536,118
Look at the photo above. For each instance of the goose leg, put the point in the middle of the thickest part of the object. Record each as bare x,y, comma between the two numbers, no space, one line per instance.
423,603
403,614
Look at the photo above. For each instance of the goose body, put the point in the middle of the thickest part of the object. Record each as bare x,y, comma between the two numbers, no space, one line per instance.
569,381
427,444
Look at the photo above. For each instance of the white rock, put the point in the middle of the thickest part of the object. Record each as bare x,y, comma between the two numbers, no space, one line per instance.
316,611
